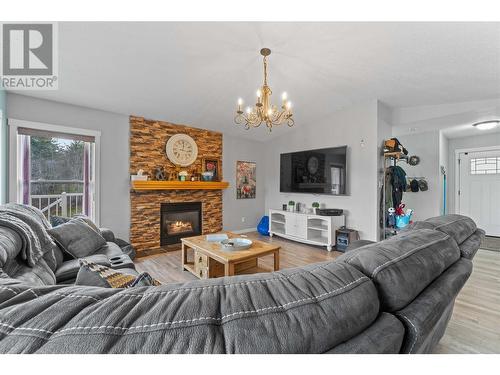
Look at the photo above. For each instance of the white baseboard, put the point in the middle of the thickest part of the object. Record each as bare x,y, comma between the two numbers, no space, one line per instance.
247,230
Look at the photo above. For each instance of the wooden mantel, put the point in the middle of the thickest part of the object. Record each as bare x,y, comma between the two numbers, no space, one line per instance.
179,185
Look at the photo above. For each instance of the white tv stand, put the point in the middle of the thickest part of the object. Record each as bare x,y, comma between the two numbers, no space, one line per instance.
306,228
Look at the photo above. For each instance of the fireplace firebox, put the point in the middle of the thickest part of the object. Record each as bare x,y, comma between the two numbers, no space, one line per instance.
179,220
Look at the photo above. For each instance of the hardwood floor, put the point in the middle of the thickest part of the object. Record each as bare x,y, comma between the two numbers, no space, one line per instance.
473,328
475,324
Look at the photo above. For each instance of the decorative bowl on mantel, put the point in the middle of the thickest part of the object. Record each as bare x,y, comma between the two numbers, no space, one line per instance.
207,176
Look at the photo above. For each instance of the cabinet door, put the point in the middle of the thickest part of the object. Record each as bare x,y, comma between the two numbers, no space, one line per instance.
301,226
290,225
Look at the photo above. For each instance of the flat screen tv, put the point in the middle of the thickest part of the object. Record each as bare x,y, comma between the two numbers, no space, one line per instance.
321,171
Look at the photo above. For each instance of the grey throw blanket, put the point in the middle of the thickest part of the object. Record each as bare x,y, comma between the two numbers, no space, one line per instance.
31,226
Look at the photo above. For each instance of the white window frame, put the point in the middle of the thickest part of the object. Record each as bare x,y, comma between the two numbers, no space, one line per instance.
14,162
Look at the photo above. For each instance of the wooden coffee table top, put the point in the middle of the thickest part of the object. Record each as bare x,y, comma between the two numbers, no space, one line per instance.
214,250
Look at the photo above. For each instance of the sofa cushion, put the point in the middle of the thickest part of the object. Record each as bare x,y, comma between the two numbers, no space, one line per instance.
404,265
304,310
93,274
77,238
88,221
458,227
427,316
69,269
58,220
38,275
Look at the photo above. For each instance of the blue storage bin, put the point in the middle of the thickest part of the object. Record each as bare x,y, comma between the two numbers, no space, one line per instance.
402,221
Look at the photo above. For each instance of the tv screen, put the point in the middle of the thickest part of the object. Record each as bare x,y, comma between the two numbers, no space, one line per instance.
321,171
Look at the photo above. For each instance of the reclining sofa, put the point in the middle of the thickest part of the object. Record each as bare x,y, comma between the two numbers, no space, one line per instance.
395,296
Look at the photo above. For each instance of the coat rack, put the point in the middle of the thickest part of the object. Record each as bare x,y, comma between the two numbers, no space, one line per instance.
394,158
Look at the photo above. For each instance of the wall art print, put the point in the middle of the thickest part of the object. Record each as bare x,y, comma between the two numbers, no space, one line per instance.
246,179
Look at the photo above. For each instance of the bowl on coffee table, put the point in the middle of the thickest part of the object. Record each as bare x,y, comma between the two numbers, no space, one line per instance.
236,244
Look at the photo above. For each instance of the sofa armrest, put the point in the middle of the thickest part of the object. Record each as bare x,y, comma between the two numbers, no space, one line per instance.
108,234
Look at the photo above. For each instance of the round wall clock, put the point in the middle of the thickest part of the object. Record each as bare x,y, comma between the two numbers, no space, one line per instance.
312,164
181,150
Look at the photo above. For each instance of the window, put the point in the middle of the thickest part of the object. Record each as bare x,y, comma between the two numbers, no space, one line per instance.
488,165
56,168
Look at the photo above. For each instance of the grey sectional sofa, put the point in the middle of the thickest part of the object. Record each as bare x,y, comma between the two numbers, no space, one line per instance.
55,266
395,296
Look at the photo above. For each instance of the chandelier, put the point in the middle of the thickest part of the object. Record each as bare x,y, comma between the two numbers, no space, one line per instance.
264,111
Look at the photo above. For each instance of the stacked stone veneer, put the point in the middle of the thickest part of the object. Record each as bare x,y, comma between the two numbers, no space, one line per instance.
147,151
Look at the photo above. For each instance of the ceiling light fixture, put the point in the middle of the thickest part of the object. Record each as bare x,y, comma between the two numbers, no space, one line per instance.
264,111
486,125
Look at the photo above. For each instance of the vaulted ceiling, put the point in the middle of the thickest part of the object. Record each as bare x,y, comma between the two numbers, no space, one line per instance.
193,73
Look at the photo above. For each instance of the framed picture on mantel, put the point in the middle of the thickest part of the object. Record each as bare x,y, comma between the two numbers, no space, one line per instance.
246,179
211,165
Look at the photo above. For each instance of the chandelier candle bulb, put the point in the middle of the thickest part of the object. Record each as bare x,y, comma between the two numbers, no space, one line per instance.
264,111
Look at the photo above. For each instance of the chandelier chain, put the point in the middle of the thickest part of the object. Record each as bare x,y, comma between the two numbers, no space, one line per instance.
265,70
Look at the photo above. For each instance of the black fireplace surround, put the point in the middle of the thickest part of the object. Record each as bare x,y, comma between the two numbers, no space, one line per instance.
179,220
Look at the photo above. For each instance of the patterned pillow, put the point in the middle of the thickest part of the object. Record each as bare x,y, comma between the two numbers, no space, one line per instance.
93,274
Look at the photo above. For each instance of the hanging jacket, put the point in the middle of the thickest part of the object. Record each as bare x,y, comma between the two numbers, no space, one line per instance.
398,182
388,190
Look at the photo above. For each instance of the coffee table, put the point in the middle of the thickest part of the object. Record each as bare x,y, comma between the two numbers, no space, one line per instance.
210,260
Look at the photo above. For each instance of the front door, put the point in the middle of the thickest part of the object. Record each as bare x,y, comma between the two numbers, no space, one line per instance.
479,189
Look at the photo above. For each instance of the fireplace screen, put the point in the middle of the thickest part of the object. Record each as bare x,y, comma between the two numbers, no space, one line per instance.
179,220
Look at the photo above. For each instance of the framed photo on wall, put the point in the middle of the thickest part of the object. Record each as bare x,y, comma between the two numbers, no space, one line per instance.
211,165
246,179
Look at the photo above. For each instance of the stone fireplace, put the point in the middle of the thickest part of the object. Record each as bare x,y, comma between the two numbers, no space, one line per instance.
147,152
179,220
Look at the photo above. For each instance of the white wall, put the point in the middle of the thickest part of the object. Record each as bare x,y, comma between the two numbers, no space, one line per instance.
344,127
486,140
425,145
3,148
234,210
115,202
